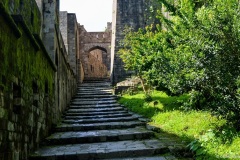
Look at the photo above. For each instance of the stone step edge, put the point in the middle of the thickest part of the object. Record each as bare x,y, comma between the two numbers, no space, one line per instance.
91,113
180,150
96,127
93,106
93,121
93,110
101,154
100,138
96,116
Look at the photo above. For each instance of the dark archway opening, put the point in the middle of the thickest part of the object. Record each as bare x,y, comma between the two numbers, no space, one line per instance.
97,63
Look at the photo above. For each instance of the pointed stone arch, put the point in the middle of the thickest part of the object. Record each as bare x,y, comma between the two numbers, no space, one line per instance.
98,47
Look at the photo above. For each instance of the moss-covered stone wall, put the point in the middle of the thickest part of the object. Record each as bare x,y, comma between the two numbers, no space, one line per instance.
29,11
29,105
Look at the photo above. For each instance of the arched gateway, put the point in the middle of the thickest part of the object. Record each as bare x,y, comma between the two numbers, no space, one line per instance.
95,52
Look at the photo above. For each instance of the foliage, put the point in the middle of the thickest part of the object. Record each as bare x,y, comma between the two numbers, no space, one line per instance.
196,50
209,137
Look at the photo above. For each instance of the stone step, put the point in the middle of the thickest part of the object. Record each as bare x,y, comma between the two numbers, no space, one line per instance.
94,113
98,126
94,96
99,120
95,110
98,89
75,99
159,157
92,93
108,150
94,90
91,89
89,80
75,106
98,116
94,136
98,101
97,81
97,85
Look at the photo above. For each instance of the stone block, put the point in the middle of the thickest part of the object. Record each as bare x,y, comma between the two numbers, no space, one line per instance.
1,99
10,126
3,113
36,97
18,102
16,155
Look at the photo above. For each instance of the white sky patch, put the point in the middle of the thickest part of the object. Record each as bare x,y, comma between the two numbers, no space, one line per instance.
93,14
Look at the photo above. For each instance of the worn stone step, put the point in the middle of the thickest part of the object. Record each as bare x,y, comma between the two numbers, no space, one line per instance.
108,150
92,93
100,120
94,99
75,106
90,80
94,96
91,89
98,116
94,113
137,133
157,157
95,110
98,101
98,126
97,85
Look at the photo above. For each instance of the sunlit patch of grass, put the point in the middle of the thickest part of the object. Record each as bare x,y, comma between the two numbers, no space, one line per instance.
212,134
191,124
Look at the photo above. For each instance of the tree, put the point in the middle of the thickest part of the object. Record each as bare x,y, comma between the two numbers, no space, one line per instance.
196,51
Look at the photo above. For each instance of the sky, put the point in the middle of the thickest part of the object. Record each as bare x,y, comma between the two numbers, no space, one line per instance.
93,14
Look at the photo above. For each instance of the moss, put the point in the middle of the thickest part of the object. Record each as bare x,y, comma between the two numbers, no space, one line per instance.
9,19
22,60
20,20
29,10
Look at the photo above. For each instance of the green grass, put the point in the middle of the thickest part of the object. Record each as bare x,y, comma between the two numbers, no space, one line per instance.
210,136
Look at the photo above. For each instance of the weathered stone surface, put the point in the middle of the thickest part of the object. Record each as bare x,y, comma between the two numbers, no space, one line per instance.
95,113
102,134
95,52
36,80
130,13
109,105
100,120
99,136
115,115
104,150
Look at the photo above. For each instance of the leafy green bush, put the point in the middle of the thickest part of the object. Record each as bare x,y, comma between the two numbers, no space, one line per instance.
196,51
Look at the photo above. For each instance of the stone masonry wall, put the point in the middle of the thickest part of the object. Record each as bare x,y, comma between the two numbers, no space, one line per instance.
69,29
26,78
63,19
72,41
36,79
49,21
90,41
65,81
130,13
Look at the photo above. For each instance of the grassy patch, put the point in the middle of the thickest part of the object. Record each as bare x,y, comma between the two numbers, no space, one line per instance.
210,137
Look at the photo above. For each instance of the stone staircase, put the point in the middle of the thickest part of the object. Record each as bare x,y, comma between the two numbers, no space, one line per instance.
95,126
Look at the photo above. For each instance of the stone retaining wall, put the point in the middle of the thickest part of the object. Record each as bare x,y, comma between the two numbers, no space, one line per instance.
36,78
